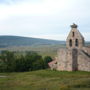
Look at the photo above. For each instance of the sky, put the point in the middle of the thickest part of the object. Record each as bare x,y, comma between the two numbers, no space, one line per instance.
49,19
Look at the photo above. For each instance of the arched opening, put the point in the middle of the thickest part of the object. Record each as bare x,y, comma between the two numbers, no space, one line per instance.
73,34
70,43
76,42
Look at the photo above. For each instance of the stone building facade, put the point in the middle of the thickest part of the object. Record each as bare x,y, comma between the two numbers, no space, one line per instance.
75,56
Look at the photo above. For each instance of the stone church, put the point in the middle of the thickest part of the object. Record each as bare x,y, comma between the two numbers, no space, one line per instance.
76,56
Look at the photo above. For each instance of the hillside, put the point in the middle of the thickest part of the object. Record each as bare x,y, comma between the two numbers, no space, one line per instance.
7,41
23,44
45,80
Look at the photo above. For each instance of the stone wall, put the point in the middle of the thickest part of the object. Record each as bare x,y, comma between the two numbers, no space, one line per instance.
61,59
86,49
72,60
75,56
78,36
83,62
64,62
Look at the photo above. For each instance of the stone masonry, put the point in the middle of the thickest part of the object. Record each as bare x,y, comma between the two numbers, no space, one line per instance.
75,56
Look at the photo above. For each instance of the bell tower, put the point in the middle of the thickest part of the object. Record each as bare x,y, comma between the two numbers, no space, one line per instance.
74,40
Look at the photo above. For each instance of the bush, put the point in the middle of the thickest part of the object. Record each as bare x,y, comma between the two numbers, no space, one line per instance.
47,59
28,62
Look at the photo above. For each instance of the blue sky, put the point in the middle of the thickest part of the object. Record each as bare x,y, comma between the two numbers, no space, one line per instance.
50,19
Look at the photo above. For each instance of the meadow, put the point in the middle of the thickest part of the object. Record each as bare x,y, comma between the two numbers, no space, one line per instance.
45,80
44,50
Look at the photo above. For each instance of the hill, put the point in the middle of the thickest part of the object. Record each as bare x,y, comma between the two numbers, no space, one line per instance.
88,43
45,80
8,41
23,44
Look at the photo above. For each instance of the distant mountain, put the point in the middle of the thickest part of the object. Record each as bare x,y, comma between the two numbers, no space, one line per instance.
8,41
87,43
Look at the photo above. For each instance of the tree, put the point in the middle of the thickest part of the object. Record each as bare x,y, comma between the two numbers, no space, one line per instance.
47,59
8,59
28,62
34,61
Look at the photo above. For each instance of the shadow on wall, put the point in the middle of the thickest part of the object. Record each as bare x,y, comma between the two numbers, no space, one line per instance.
74,59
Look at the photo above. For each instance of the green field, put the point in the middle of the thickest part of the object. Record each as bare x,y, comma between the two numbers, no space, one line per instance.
44,50
45,80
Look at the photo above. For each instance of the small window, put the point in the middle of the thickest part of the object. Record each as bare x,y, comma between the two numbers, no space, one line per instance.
76,42
70,43
73,34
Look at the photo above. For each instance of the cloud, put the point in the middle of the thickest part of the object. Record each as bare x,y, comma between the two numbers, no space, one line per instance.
24,8
60,36
86,36
62,8
52,36
47,18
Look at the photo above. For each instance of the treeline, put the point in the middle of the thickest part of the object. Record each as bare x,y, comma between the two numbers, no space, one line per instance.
11,62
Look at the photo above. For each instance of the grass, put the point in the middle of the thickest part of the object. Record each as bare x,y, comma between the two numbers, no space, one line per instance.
46,80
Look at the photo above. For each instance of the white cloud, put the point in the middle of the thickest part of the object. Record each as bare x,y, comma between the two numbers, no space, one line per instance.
59,36
86,36
47,7
50,18
52,36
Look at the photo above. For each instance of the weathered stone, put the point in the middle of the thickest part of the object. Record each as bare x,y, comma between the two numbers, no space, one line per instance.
75,56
